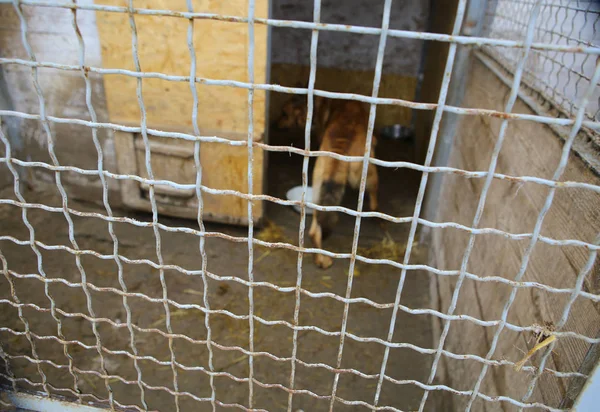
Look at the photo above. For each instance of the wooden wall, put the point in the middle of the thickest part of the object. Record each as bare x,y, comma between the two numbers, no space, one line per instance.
221,53
530,149
221,49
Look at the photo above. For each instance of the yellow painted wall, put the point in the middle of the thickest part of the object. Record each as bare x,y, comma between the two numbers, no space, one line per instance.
221,53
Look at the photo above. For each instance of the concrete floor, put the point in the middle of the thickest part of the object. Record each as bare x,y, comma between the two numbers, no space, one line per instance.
225,258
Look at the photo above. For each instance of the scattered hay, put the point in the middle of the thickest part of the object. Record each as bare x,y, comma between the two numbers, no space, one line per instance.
356,272
90,382
544,338
193,292
326,281
273,234
179,313
386,249
519,365
261,257
233,363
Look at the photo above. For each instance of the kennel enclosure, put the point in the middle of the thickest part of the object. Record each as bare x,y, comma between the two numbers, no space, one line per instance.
125,107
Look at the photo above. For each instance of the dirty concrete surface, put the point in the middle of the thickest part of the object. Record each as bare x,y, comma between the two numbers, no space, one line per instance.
186,343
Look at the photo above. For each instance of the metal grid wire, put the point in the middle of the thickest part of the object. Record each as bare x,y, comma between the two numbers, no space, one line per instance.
512,40
558,78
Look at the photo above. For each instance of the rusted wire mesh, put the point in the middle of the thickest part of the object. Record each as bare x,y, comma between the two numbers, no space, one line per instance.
559,36
560,78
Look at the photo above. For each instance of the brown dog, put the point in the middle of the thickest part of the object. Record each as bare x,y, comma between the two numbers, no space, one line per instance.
341,126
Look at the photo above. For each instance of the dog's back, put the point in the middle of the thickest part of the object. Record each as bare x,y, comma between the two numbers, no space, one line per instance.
341,126
344,133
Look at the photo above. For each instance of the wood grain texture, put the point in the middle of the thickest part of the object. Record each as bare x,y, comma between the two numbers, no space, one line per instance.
221,53
534,150
224,167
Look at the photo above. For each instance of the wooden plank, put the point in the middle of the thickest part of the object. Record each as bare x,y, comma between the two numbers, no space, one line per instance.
529,149
221,52
224,168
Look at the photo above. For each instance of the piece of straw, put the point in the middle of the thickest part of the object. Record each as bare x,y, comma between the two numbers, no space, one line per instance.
533,350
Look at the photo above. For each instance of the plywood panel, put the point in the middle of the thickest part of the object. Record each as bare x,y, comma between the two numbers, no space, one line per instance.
221,49
224,167
222,53
529,149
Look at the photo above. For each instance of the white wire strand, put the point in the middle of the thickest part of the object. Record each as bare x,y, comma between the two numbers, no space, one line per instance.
50,143
484,191
148,165
460,13
198,187
289,90
363,184
298,290
314,41
465,40
105,200
250,61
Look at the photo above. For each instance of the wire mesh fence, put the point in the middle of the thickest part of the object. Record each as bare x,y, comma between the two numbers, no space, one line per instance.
558,78
549,47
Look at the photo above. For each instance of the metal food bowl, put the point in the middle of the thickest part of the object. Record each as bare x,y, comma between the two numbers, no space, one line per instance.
396,132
